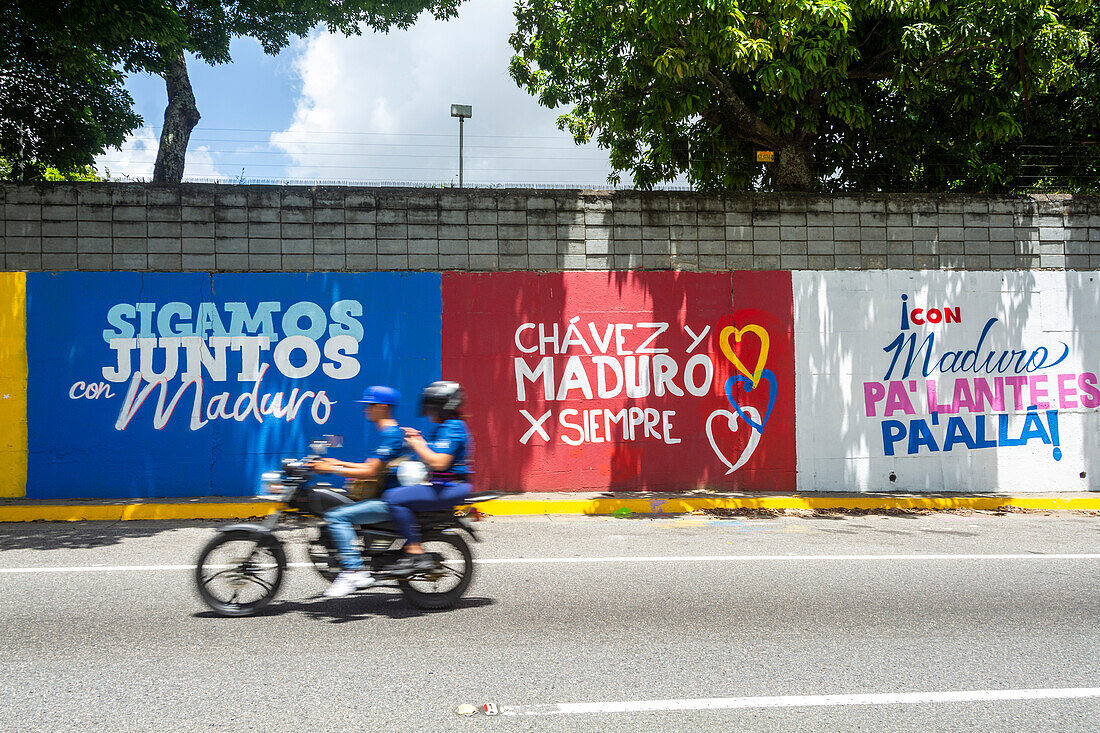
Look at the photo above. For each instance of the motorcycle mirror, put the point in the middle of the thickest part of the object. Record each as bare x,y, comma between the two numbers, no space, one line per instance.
334,441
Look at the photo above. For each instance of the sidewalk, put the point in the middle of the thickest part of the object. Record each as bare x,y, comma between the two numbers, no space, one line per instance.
596,503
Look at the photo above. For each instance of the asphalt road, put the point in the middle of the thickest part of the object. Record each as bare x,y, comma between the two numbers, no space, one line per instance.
853,623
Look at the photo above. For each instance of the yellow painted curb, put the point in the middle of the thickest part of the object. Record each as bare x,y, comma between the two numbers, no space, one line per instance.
509,507
116,512
520,507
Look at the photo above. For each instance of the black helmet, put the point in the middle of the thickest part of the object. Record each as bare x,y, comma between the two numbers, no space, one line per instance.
446,397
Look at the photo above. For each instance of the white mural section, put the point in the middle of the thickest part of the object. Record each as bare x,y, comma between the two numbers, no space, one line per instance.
939,381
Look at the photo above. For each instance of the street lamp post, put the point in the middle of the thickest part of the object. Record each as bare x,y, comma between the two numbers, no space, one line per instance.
461,111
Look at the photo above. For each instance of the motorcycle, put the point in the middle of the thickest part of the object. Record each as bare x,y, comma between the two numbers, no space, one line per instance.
240,569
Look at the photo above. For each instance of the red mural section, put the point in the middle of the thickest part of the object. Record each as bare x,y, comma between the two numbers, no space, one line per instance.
597,381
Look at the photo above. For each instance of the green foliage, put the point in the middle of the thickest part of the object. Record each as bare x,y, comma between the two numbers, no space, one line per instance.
869,94
62,94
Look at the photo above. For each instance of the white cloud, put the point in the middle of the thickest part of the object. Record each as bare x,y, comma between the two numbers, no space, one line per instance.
139,154
377,108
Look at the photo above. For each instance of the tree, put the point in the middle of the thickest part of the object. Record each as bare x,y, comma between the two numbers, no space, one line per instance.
210,25
62,100
871,94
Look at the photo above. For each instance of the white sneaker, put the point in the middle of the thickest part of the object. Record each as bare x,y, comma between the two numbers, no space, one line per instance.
348,582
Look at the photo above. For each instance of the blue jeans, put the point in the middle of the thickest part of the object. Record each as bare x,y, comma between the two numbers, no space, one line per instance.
403,501
341,521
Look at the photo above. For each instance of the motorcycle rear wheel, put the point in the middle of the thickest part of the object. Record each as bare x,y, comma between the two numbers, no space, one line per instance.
240,571
450,583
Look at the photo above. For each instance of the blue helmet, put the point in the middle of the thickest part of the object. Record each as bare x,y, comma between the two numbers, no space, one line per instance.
379,395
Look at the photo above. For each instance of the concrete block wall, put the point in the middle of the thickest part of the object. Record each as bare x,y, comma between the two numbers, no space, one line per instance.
226,228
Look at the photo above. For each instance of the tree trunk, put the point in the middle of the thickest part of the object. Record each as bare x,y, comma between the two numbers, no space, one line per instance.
180,117
792,172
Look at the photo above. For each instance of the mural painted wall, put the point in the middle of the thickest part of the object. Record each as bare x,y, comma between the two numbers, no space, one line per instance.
625,380
193,384
159,385
981,381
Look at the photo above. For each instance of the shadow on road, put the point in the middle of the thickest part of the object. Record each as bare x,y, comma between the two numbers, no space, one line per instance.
86,535
356,608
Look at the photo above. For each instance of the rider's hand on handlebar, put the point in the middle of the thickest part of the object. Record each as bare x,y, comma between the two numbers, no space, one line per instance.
412,435
324,465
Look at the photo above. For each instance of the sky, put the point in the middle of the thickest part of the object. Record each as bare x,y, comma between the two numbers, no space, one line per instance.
368,109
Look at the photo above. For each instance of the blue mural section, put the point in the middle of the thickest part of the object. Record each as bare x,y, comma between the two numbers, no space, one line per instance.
162,385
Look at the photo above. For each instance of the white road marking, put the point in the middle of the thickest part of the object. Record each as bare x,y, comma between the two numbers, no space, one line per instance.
618,559
798,701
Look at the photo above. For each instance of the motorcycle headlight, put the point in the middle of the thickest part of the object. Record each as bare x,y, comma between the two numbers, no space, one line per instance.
271,482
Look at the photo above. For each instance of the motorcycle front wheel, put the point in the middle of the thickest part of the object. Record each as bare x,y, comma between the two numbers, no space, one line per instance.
240,571
441,588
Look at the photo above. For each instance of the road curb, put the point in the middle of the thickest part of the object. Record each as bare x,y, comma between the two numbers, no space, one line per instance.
510,506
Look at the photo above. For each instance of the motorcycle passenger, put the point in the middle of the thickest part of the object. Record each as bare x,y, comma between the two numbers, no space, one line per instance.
447,450
379,403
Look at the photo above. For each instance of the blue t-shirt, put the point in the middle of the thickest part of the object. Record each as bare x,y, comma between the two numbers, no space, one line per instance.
391,444
453,438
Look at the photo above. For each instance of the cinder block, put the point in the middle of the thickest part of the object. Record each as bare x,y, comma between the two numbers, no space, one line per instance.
197,195
392,231
873,248
266,216
483,246
765,233
712,247
134,229
846,234
766,262
390,247
197,246
133,245
91,261
328,216
820,247
454,262
512,262
656,262
164,213
198,262
626,261
287,231
230,245
361,262
765,247
656,247
423,231
510,217
512,246
706,219
847,261
59,261
156,196
59,213
298,262
571,231
1002,261
739,233
681,232
164,245
452,218
265,262
230,200
193,228
739,218
789,233
423,247
59,245
794,261
872,234
542,246
361,246
230,229
58,194
23,213
900,261
627,247
264,230
483,262
482,231
422,216
873,262
655,218
739,261
329,262
976,234
452,247
1077,262
232,261
822,262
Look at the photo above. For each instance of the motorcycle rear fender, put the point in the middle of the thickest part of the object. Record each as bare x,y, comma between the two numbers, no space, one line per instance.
250,527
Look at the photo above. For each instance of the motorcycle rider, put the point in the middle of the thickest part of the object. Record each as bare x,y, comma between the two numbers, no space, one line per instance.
379,404
447,450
